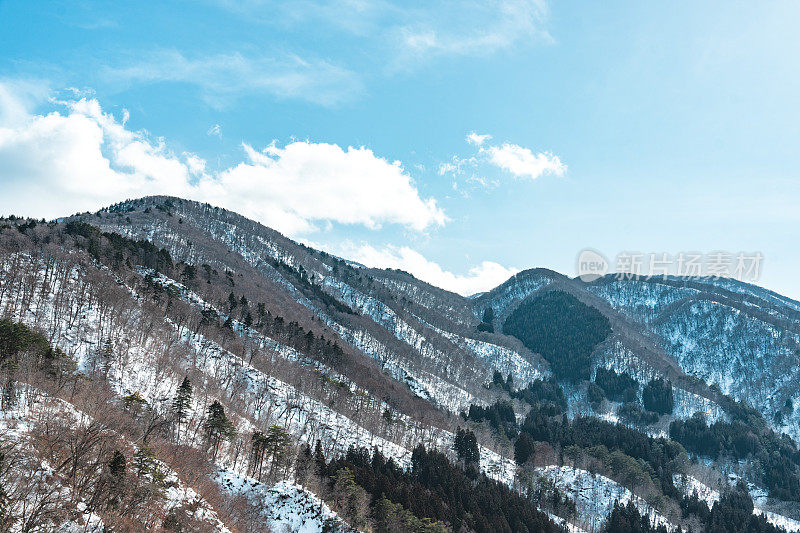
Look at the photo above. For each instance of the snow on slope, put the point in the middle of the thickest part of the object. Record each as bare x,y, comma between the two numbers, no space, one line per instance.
504,360
309,419
691,485
614,355
503,299
259,251
444,393
33,406
595,495
36,477
428,300
745,341
284,506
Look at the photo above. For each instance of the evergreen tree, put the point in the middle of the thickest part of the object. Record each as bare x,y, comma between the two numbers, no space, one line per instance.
116,466
657,396
189,274
217,427
277,445
466,446
523,448
257,453
487,322
561,328
144,461
181,403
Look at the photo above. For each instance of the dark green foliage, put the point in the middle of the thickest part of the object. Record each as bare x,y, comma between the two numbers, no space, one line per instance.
217,426
657,396
466,447
524,448
506,384
498,381
189,274
274,445
182,401
116,466
618,387
777,454
112,247
662,456
499,415
293,334
390,517
626,519
631,412
311,289
436,489
538,392
595,395
18,342
561,328
183,396
733,513
547,495
16,337
693,505
487,322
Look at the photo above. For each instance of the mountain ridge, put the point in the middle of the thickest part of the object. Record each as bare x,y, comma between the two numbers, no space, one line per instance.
290,340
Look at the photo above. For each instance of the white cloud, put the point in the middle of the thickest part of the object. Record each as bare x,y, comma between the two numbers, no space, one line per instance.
403,34
83,159
292,186
477,140
479,278
223,77
469,28
216,130
522,162
516,160
17,96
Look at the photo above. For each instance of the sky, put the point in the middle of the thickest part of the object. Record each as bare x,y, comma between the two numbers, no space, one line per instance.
461,141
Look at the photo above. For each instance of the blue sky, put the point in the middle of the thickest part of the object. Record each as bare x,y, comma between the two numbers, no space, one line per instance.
619,126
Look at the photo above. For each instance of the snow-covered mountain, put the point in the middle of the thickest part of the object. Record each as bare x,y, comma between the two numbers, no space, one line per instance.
295,359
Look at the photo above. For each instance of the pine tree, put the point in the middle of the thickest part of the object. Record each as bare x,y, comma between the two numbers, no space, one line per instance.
657,396
144,461
181,403
257,453
466,446
277,445
217,427
117,464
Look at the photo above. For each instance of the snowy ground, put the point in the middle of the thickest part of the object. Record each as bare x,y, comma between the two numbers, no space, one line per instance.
285,506
595,495
690,485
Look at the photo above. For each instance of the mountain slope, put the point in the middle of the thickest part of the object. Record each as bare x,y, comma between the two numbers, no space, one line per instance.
295,358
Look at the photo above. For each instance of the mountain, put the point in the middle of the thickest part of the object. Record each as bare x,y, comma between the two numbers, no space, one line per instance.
169,365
